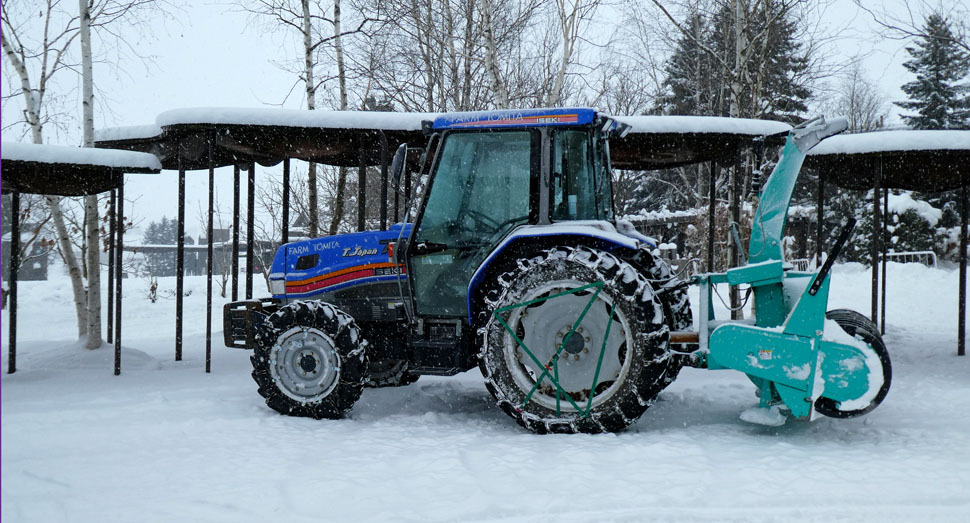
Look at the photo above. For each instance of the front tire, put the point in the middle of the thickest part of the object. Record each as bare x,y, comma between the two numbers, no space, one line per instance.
861,327
310,360
608,367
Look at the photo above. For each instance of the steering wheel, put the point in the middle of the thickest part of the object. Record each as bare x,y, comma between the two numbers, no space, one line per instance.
481,218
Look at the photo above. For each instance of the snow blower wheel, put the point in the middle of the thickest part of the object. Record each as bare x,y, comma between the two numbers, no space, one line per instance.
309,360
861,327
575,342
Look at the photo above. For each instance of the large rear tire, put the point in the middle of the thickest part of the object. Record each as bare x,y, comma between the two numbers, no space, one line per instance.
310,360
673,297
861,327
608,367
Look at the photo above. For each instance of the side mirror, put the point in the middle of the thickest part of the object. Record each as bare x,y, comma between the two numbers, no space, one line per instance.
398,164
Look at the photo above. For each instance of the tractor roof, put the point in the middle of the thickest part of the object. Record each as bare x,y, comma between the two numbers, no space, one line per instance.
516,118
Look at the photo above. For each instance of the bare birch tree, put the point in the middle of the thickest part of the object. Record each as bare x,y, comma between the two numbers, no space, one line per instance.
38,50
310,19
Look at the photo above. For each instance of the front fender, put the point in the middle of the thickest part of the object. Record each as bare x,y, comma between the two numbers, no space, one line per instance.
598,234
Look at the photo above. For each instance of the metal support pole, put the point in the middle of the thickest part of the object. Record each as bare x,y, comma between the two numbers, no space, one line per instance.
111,266
711,210
407,193
13,275
819,219
119,250
734,250
235,232
397,192
875,248
884,241
286,201
384,155
208,266
250,219
180,259
361,188
962,321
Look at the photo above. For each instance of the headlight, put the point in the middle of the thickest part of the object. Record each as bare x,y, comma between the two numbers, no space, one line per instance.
277,287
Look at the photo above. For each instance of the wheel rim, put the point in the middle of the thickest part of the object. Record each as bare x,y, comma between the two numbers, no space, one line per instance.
304,364
545,326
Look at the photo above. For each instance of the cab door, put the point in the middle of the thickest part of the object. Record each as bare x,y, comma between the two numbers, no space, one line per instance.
483,184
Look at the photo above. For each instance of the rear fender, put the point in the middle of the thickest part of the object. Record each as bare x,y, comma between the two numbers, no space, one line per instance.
529,239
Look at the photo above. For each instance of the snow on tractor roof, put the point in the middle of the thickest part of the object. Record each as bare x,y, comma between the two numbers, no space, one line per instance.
60,154
516,118
889,141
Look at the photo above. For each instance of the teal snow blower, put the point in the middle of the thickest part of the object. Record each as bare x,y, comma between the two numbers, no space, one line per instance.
802,359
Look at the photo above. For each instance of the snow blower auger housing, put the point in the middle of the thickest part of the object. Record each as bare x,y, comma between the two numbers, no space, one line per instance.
802,359
512,261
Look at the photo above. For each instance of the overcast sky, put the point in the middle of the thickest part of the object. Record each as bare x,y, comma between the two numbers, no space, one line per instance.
211,54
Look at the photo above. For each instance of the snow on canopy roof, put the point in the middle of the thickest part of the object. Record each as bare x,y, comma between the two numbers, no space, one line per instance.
128,132
294,118
702,124
86,156
891,141
928,161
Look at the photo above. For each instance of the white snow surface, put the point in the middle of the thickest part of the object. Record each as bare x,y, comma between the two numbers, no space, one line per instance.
702,124
112,158
167,442
887,141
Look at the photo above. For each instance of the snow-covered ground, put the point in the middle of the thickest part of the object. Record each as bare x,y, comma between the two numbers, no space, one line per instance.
166,442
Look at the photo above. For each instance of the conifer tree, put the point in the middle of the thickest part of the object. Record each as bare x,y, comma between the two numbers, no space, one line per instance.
940,95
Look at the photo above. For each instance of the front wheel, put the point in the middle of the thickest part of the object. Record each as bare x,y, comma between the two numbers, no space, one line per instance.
575,342
860,327
310,360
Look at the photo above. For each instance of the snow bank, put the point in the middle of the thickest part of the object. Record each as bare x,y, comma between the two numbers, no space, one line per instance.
887,141
702,124
109,158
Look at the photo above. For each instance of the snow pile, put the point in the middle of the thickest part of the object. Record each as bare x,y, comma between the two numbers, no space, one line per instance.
900,203
62,154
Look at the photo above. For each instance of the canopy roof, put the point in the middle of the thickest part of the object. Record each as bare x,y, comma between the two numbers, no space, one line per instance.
929,161
69,171
268,135
656,142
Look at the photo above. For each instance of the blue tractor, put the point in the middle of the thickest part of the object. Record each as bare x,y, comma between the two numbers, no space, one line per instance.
511,260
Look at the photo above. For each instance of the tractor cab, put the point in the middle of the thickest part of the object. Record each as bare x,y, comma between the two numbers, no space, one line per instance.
491,173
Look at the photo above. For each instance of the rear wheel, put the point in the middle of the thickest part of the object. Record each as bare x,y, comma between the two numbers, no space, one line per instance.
861,327
672,296
310,360
575,342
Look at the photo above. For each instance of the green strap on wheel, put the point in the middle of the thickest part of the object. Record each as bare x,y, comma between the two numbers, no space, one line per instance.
551,369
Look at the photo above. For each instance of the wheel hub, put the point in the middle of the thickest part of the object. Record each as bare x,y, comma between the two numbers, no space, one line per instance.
549,325
304,364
